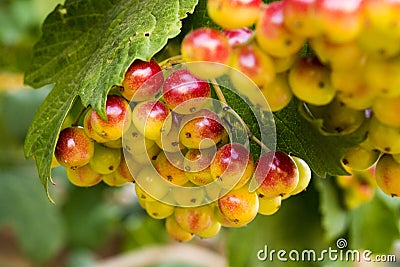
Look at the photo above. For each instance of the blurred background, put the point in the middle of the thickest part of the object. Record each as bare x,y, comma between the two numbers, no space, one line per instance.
104,226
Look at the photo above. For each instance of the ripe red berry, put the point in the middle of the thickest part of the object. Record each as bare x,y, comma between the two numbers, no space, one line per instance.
210,45
184,90
73,149
277,178
232,165
141,82
273,36
202,129
118,119
237,37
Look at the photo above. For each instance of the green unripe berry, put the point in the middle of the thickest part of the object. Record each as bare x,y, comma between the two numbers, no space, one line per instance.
105,160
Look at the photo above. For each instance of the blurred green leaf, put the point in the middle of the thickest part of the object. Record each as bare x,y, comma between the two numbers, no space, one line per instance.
80,257
89,218
17,110
339,264
15,58
38,224
20,22
140,229
334,217
375,226
17,21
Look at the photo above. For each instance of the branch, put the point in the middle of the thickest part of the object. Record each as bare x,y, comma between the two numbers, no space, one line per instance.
221,98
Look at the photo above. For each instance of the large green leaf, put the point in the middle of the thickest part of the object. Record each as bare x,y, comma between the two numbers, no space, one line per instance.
295,133
298,136
86,47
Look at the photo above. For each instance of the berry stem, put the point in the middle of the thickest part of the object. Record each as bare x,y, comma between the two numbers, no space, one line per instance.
219,93
171,61
222,98
76,122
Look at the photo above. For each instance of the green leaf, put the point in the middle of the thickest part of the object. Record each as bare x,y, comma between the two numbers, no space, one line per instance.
99,217
297,136
375,226
86,47
142,230
17,110
187,7
257,119
334,217
37,223
198,19
81,257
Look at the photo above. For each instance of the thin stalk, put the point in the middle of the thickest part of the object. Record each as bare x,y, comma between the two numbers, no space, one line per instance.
171,61
76,122
222,98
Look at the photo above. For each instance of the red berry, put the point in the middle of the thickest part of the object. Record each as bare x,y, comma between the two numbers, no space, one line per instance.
278,177
202,129
118,119
206,44
182,86
139,83
73,149
232,165
273,36
149,117
237,37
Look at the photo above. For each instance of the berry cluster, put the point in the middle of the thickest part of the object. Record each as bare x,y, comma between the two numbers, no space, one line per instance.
349,78
163,130
165,133
92,151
